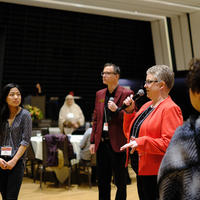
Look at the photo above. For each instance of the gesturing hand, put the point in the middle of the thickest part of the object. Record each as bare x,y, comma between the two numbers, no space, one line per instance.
132,144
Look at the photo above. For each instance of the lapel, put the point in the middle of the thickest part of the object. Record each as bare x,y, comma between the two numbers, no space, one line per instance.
118,94
102,100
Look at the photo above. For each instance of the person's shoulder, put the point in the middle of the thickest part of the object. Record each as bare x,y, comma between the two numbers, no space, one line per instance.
25,113
183,135
99,92
125,90
169,103
184,130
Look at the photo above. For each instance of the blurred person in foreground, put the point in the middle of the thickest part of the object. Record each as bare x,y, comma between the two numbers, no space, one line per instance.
15,133
107,134
179,172
150,129
70,116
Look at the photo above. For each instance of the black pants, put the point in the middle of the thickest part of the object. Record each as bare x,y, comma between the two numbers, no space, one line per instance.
11,180
147,187
109,162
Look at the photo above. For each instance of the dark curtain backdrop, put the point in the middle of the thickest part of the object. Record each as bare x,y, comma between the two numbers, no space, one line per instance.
65,51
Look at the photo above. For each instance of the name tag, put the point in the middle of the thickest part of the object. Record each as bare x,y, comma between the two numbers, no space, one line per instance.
105,126
6,151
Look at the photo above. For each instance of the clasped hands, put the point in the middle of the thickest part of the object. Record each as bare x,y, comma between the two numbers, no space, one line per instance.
132,144
7,165
71,124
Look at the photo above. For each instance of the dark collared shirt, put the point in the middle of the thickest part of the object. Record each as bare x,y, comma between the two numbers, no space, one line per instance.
19,133
107,113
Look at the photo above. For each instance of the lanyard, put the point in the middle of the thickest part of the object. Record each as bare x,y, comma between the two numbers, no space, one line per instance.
106,120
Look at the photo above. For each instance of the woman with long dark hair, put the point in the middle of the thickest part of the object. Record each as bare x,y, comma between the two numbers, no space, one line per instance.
15,133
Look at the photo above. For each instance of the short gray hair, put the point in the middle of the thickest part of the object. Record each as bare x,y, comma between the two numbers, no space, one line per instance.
162,73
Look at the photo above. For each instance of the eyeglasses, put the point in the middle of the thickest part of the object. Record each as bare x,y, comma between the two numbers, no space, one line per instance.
107,73
150,81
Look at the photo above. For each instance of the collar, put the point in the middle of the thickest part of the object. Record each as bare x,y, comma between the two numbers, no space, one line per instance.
113,93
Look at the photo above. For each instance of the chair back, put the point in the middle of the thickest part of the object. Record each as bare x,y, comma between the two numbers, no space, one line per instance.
52,149
57,146
30,152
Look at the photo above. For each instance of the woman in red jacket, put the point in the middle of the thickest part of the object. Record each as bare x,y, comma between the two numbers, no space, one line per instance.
149,130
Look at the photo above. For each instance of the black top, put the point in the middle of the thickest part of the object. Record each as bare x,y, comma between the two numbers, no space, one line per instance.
139,120
108,113
135,131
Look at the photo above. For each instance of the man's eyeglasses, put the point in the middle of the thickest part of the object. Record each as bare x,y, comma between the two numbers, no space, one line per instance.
107,73
150,81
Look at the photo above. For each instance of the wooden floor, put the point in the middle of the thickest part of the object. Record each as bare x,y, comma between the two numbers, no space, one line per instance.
30,190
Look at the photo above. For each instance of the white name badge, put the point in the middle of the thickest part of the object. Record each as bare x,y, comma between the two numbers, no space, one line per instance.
105,126
6,151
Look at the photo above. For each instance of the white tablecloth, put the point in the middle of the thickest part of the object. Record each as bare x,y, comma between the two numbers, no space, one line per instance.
75,140
61,173
36,142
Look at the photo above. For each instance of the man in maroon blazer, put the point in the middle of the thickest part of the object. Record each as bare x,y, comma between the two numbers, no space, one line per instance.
107,134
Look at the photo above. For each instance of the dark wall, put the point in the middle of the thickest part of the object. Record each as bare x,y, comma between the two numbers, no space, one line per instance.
65,51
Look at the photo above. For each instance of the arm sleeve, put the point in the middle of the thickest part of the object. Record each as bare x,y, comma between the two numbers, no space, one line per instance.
126,123
171,119
27,129
94,126
84,139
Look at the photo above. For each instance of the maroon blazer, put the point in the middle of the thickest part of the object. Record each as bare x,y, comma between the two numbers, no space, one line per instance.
115,126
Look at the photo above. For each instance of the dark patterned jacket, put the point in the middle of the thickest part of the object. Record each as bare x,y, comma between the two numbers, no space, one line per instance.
179,173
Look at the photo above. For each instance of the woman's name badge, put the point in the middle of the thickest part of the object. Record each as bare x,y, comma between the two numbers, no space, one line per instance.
6,151
105,126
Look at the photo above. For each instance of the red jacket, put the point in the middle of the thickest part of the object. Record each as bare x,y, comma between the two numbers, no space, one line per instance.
115,126
155,133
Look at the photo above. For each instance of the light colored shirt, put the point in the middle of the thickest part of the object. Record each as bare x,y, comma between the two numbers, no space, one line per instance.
85,145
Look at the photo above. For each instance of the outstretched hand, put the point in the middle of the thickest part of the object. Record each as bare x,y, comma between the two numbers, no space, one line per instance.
132,144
